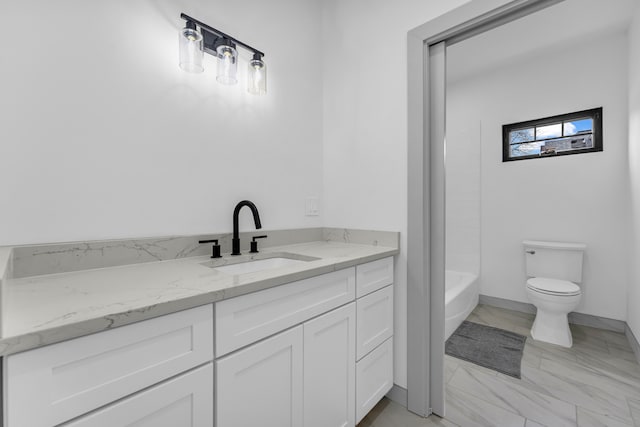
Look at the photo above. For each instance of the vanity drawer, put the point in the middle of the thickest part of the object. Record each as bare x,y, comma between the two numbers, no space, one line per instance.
373,276
374,378
184,401
248,318
53,384
375,320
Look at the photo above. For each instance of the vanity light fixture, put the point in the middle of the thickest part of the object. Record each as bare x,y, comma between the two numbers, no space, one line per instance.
194,43
191,49
227,63
257,76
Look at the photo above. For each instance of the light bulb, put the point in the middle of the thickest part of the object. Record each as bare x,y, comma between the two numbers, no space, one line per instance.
227,64
257,76
190,44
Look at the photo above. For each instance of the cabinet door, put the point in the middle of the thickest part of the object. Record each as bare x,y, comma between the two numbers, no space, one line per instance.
373,276
374,378
261,385
184,401
249,318
375,320
50,385
329,369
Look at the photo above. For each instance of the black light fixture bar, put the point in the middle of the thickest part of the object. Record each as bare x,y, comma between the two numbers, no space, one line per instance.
219,34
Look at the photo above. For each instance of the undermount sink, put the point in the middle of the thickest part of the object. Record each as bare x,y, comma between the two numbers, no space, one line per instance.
253,265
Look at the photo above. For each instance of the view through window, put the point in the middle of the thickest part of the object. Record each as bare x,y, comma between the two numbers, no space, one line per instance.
573,133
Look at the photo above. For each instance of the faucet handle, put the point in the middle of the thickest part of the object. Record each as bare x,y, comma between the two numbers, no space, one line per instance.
254,243
215,249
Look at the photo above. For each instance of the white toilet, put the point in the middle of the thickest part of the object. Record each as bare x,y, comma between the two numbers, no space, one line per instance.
554,269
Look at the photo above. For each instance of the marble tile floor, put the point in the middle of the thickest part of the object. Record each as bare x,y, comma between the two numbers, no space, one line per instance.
390,414
594,383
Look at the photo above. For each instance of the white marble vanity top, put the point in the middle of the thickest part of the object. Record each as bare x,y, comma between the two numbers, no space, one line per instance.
45,309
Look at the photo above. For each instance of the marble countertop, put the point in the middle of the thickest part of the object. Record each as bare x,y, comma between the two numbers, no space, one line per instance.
45,309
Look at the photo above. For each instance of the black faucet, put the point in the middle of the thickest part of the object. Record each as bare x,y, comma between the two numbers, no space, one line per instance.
235,242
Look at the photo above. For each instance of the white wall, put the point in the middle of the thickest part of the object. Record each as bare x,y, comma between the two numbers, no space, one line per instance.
633,299
579,198
365,124
103,136
463,189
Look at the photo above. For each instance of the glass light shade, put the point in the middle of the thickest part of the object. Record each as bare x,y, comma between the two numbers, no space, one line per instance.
191,52
227,65
257,77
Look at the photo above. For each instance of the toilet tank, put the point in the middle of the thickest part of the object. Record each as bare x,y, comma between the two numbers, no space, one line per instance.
555,260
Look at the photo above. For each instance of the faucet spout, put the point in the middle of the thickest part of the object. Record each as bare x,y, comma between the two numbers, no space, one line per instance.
235,241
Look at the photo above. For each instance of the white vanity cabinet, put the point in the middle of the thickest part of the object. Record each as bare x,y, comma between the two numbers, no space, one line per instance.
304,376
374,275
261,385
374,378
329,369
308,353
375,320
316,352
249,318
374,366
307,369
184,401
54,384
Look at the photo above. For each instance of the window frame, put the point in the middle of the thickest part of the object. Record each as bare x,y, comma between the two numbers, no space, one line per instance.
595,114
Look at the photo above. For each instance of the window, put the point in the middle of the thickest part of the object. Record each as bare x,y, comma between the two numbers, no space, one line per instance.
572,133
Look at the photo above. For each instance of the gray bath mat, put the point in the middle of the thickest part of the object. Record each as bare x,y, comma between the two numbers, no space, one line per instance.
486,346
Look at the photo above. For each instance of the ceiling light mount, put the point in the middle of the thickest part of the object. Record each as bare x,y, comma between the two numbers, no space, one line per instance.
194,43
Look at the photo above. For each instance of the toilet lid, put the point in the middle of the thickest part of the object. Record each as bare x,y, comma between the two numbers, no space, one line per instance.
553,286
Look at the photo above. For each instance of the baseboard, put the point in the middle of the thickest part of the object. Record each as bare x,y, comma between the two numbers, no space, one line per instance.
507,304
398,394
598,322
575,318
633,341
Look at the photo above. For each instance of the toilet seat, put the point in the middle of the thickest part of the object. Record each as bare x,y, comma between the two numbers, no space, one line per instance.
549,286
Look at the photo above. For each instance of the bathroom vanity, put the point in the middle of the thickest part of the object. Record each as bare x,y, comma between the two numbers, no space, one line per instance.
305,344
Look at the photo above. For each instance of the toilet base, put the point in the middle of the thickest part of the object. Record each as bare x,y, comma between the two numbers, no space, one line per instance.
552,328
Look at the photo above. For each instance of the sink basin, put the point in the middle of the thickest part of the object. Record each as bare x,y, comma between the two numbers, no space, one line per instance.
259,265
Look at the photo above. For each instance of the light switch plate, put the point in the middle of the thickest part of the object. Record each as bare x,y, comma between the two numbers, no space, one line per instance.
312,206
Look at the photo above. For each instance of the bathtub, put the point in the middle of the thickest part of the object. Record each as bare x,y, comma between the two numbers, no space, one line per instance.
461,297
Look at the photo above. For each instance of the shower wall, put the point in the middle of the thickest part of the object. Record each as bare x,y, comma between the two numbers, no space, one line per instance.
633,300
462,193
